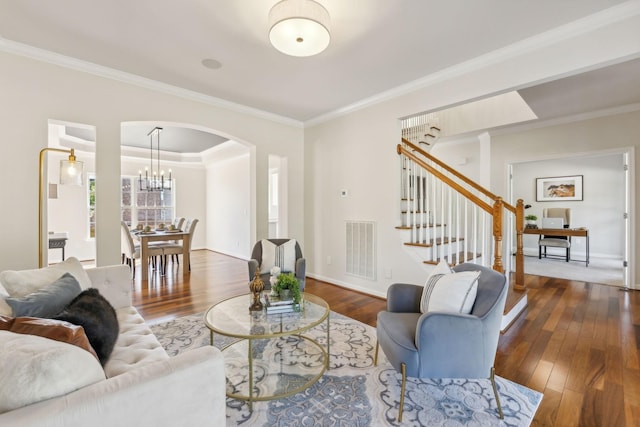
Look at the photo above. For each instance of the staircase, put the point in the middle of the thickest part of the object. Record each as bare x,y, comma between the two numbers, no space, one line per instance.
447,216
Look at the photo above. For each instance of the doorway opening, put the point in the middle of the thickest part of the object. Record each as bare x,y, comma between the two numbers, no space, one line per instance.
68,211
603,211
278,193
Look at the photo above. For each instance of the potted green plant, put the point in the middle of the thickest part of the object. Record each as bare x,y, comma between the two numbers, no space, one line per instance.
531,219
288,287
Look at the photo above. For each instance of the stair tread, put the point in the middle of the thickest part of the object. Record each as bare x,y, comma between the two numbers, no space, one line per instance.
421,245
454,258
409,227
437,241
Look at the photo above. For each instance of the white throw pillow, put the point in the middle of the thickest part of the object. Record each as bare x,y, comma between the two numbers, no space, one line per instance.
24,282
448,291
36,368
5,310
283,256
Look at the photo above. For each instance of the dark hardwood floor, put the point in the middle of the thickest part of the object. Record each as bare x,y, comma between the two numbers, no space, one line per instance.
578,343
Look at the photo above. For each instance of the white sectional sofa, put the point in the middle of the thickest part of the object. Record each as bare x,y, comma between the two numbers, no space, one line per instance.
139,386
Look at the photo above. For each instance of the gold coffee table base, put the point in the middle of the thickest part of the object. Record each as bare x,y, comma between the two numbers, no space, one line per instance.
271,359
252,397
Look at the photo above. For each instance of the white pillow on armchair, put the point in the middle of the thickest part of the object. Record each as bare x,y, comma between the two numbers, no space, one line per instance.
448,291
283,256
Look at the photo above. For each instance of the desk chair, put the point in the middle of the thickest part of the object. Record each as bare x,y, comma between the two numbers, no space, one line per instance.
555,241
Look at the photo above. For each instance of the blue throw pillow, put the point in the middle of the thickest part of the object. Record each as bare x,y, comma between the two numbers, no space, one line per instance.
48,301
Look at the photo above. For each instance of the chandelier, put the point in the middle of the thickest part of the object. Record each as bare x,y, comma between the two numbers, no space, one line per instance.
154,179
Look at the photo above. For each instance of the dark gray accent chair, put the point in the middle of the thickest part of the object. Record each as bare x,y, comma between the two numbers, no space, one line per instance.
439,344
256,260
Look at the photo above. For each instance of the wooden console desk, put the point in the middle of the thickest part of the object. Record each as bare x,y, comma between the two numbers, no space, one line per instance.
58,241
568,232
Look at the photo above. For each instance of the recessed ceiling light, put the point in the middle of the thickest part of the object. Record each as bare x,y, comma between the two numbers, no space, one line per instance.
211,63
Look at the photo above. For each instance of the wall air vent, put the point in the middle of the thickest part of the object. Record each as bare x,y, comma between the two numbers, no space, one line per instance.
361,249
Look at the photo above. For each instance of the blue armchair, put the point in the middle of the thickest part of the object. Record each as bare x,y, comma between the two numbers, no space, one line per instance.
439,344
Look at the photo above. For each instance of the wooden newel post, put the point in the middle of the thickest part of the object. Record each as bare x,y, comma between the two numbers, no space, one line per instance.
519,282
498,209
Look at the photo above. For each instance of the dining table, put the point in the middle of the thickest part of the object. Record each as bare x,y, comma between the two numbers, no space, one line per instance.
159,236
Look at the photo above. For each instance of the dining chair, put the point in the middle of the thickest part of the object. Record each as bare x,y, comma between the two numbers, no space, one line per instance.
178,248
131,251
178,222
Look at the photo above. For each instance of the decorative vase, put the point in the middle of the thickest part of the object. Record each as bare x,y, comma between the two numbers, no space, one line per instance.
256,286
285,294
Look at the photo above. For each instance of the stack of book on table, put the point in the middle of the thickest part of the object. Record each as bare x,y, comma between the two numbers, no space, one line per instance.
276,305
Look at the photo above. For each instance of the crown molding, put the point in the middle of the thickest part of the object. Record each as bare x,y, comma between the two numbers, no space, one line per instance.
21,49
581,26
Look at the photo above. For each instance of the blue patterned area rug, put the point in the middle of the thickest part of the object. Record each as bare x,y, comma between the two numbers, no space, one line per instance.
354,392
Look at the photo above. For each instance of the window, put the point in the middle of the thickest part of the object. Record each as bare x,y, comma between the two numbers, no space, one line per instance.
145,207
126,194
92,206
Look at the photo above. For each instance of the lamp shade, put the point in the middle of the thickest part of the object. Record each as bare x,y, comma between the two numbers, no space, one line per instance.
71,172
299,27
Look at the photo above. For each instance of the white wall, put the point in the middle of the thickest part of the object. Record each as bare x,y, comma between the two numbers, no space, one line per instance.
34,92
356,155
463,155
228,199
356,151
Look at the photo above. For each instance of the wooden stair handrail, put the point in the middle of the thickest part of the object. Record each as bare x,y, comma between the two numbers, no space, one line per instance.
495,210
457,174
460,189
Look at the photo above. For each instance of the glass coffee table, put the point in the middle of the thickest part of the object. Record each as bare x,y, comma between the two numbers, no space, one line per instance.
269,357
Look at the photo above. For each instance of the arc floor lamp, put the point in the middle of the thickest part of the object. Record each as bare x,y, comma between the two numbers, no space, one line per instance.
71,173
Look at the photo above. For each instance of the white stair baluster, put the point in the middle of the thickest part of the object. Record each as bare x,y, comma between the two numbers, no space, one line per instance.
449,225
457,222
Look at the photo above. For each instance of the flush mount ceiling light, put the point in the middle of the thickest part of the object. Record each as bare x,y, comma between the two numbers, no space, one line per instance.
299,27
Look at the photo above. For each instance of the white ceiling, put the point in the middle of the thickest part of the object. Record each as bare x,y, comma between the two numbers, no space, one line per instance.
376,46
172,138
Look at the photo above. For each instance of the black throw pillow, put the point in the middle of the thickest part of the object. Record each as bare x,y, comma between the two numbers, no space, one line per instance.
98,318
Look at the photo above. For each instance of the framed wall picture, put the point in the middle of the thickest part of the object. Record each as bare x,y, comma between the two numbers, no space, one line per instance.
559,188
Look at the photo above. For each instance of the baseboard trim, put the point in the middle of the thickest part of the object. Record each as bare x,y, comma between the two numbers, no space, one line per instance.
346,285
510,317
